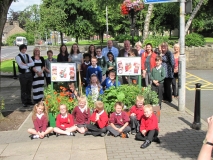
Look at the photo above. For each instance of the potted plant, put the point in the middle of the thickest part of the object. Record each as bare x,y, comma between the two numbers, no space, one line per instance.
54,99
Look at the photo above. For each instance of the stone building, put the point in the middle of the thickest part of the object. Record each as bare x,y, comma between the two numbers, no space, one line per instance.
11,28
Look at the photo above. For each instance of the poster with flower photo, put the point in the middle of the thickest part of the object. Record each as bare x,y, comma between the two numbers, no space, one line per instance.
62,72
128,65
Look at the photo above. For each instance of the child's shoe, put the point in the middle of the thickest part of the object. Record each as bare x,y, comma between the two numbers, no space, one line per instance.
133,132
72,134
145,144
87,133
156,139
47,135
108,133
57,134
34,136
103,134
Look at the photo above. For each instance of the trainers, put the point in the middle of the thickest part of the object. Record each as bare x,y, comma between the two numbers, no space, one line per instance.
57,134
127,135
72,134
108,133
102,134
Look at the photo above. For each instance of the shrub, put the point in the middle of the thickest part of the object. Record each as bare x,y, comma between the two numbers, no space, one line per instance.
29,37
121,38
127,94
156,40
194,39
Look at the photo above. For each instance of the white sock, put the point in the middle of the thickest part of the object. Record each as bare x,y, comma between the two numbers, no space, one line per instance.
36,136
68,134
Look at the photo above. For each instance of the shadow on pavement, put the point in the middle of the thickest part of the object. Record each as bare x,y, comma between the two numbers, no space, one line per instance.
186,143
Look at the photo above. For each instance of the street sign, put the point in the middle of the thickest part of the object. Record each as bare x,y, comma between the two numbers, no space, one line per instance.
159,1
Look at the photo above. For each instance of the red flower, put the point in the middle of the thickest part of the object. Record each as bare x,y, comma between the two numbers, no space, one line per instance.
124,9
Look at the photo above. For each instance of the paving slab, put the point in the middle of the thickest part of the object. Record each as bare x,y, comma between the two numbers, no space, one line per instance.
24,150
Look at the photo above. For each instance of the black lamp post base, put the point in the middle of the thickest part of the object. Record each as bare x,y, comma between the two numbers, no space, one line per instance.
196,126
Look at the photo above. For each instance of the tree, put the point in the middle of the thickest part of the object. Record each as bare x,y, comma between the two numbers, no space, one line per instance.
31,17
4,6
193,15
147,21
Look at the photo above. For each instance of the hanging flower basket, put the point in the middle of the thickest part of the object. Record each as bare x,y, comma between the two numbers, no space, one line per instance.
128,5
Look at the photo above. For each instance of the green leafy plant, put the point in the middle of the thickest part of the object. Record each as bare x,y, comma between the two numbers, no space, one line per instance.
54,99
194,39
1,108
29,37
127,94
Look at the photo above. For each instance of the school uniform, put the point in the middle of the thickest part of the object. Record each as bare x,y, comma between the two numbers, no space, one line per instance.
40,123
110,64
118,119
84,67
149,124
102,63
94,91
135,120
99,126
96,70
81,116
64,122
158,73
109,83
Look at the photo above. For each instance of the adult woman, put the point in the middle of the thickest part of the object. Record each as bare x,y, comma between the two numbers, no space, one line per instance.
168,64
148,63
138,46
38,75
75,55
91,50
174,80
63,55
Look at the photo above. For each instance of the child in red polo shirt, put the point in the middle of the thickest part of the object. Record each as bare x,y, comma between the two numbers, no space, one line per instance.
136,112
149,127
119,121
64,122
99,121
40,121
81,114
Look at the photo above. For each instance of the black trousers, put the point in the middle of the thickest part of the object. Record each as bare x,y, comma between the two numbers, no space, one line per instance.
134,123
149,135
26,80
159,90
116,133
96,131
167,96
48,81
174,85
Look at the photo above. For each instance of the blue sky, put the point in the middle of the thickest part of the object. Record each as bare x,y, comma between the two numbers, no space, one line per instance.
22,4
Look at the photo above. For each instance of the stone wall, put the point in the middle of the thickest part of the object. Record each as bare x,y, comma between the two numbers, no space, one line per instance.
199,57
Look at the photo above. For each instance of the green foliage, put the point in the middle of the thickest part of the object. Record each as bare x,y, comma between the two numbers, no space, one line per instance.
2,104
54,99
194,39
122,37
156,40
29,37
127,94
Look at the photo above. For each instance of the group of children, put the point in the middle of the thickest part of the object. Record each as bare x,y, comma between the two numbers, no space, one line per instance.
141,121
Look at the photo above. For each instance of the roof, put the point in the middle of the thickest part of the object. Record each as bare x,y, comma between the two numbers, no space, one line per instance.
8,28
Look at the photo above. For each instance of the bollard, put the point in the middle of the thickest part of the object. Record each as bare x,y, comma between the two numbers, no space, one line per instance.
196,124
14,70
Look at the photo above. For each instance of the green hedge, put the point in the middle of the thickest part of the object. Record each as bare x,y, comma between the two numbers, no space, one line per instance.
122,38
29,37
194,39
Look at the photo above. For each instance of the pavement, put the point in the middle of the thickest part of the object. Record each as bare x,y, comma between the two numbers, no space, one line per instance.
178,139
